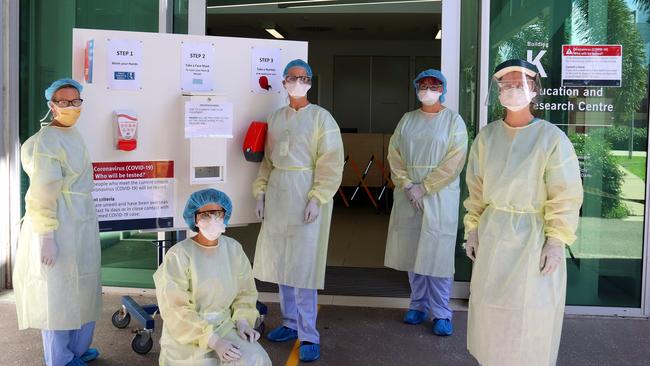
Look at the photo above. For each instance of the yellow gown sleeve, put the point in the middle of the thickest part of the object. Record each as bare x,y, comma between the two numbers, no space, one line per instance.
259,185
244,305
398,172
42,161
474,178
453,162
328,166
173,292
564,193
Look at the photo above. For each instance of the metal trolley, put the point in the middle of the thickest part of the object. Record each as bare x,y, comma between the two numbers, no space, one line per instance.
144,315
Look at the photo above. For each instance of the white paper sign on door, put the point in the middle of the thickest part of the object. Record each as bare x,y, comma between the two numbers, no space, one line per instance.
208,119
266,72
592,65
197,66
124,64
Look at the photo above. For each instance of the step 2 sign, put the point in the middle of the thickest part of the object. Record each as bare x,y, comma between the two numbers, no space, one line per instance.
592,65
134,195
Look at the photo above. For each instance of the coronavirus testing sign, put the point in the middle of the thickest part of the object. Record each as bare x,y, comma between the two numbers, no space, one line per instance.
135,195
592,66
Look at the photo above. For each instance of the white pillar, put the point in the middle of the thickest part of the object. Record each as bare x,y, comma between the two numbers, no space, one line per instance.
196,10
484,57
9,141
450,50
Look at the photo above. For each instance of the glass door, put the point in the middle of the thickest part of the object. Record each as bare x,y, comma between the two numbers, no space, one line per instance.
607,123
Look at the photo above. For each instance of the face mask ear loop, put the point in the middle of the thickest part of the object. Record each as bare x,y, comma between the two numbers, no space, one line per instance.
49,110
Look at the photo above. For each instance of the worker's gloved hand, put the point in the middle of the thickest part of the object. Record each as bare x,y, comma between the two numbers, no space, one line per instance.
311,211
225,349
246,332
259,206
471,245
415,194
552,255
49,250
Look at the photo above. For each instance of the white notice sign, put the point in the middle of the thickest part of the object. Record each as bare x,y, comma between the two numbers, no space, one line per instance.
208,119
124,64
197,66
134,195
592,65
266,73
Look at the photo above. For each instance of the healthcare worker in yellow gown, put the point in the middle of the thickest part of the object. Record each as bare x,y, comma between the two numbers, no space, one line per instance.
426,154
297,180
57,275
525,194
206,292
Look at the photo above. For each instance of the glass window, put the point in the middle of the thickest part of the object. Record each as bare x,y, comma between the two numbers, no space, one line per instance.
128,259
607,125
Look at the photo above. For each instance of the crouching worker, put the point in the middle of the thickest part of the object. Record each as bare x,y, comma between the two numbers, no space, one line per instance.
206,292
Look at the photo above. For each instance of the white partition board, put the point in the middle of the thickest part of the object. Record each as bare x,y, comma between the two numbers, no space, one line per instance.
160,107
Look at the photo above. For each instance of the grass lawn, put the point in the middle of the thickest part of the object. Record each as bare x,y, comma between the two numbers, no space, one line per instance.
636,165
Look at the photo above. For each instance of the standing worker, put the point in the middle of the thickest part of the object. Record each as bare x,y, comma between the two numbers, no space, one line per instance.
300,173
525,194
57,276
426,155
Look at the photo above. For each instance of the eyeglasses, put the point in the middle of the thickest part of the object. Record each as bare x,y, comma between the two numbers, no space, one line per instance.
437,87
508,85
212,214
293,79
67,103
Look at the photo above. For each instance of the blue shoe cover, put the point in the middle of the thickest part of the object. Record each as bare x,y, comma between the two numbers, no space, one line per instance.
282,334
414,317
90,355
442,327
76,362
309,351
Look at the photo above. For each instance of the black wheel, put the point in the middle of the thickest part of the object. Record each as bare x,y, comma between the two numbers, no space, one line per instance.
119,320
261,328
140,346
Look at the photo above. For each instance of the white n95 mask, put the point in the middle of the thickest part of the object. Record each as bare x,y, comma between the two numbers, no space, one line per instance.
297,90
516,99
428,97
211,229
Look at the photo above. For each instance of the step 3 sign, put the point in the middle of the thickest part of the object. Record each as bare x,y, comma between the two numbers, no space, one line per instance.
592,65
134,195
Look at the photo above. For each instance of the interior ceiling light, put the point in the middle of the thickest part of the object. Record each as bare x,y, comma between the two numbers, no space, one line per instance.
274,32
439,34
231,5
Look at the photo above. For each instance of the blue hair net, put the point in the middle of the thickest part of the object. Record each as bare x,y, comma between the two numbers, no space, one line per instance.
204,197
49,92
432,73
297,63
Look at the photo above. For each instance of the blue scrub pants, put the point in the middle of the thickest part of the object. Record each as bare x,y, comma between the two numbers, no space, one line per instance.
61,346
431,295
299,310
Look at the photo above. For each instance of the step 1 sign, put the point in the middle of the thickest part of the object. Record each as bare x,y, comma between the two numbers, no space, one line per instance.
134,195
592,65
124,64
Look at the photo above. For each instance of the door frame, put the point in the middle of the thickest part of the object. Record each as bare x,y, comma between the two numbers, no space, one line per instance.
10,141
450,66
485,75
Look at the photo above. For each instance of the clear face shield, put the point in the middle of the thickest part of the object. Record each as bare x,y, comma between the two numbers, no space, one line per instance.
515,90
